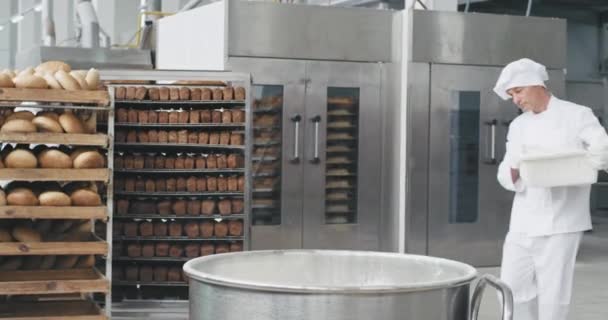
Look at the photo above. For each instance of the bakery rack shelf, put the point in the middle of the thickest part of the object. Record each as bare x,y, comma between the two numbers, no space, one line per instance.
222,103
39,212
51,310
178,171
178,194
53,248
52,282
150,283
176,125
173,238
75,139
44,174
53,106
144,259
160,216
147,146
96,97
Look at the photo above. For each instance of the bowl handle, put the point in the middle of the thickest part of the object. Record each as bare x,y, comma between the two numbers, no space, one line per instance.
502,288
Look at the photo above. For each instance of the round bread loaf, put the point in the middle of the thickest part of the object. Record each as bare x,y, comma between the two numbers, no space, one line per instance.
21,197
71,123
25,234
66,262
5,235
6,81
47,262
21,158
48,114
53,158
9,73
92,79
52,67
54,199
86,262
86,198
30,81
67,81
89,159
18,125
25,115
2,198
79,77
46,124
52,82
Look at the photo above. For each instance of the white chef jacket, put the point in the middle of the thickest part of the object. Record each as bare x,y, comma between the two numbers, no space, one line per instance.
562,126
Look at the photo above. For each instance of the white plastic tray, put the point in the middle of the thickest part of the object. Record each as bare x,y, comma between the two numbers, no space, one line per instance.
558,169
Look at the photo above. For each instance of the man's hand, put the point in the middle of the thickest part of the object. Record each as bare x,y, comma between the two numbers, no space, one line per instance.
514,175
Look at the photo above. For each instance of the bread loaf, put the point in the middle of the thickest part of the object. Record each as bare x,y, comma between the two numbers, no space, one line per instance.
131,93
2,197
6,81
206,229
236,139
130,185
142,116
182,136
150,185
21,197
22,159
129,162
122,206
205,116
142,136
171,184
173,136
206,94
85,262
132,273
140,185
161,185
174,274
149,162
71,124
163,93
179,207
86,198
238,116
200,162
132,136
163,136
216,116
138,162
241,183
161,249
47,124
234,161
89,160
153,136
160,229
54,198
191,184
30,81
118,273
23,115
207,249
160,273
228,93
184,93
65,262
236,247
226,116
217,94
193,137
207,207
194,116
5,235
195,94
79,76
18,126
183,117
26,234
141,93
132,116
235,228
120,93
225,137
189,162
214,138
181,184
176,250
146,273
203,137
233,184
147,250
239,93
222,184
225,207
120,135
118,162
146,229
134,250
211,183
191,229
154,94
174,93
222,248
221,161
143,207
175,229
164,207
152,117
237,206
220,229
192,250
201,184
130,229
159,162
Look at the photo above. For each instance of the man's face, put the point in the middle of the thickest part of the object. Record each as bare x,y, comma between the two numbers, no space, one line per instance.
527,98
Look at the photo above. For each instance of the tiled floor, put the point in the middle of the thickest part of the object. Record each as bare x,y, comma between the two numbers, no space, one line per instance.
590,296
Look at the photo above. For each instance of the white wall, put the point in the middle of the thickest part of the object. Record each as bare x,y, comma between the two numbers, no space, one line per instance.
7,36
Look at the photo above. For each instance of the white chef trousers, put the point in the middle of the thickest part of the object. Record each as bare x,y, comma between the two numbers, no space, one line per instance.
540,272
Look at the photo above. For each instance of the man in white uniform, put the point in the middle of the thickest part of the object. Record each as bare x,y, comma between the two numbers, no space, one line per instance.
546,223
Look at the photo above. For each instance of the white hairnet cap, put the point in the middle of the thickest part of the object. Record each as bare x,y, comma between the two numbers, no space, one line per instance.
521,73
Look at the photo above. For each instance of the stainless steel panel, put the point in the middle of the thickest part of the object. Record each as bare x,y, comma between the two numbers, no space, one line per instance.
417,153
486,39
587,93
85,58
290,75
364,234
261,29
477,242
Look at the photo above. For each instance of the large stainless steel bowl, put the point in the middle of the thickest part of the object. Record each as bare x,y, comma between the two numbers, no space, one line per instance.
316,284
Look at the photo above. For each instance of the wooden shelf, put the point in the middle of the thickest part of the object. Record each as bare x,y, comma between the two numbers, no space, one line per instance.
51,310
53,248
36,212
98,97
55,174
97,139
52,282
